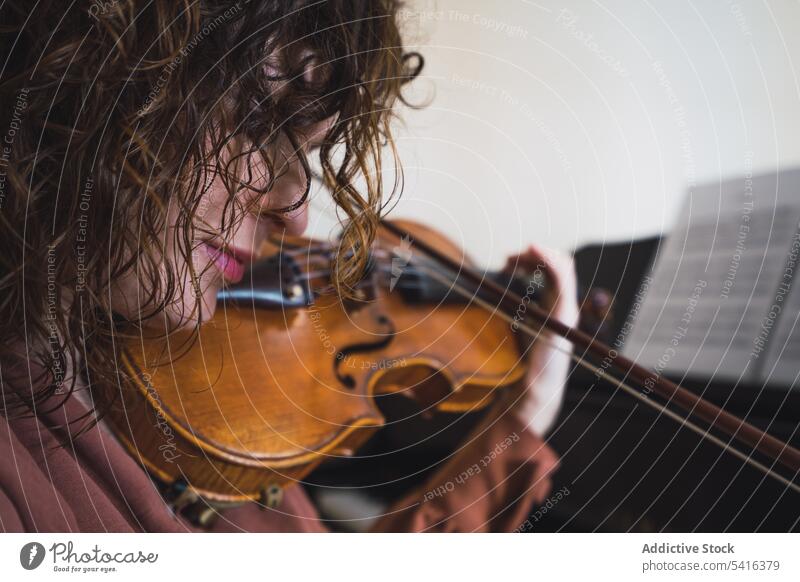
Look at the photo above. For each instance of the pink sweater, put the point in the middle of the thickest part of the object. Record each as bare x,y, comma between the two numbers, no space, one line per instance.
51,483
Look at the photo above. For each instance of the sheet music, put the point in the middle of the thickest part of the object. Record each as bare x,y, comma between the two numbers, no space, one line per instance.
721,302
781,365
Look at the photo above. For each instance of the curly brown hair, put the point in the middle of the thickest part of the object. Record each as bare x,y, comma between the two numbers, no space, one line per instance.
115,110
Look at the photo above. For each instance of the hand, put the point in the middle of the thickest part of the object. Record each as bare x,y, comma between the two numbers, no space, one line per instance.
549,360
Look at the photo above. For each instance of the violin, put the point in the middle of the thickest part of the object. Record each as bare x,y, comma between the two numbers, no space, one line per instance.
288,374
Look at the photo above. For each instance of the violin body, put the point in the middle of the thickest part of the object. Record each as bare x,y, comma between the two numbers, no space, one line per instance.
272,387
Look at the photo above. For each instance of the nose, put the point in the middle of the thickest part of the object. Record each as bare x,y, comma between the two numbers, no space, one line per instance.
289,192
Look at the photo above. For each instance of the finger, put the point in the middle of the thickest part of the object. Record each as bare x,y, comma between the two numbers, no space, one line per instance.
536,260
530,260
558,266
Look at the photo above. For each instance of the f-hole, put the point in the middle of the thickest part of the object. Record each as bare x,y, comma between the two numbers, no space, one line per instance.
360,348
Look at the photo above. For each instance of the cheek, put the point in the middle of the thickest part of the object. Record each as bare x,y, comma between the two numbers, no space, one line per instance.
197,300
192,303
202,294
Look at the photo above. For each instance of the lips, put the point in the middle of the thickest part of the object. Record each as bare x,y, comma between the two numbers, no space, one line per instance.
227,261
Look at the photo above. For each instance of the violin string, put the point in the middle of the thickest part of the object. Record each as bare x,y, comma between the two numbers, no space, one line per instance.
296,252
326,272
313,275
380,268
620,383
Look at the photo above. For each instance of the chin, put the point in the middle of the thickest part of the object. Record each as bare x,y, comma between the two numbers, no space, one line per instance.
209,311
209,299
186,317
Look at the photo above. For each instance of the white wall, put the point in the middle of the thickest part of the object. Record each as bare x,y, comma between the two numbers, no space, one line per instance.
565,122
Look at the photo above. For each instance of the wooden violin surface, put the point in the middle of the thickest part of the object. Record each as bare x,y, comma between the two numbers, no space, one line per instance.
260,397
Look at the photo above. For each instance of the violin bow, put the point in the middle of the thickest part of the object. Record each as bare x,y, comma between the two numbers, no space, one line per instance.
732,426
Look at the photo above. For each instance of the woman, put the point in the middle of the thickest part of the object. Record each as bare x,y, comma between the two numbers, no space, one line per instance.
150,149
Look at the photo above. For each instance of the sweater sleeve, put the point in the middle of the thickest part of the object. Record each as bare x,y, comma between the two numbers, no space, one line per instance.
488,485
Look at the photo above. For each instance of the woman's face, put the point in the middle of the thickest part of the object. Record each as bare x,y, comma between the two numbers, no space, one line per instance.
221,251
